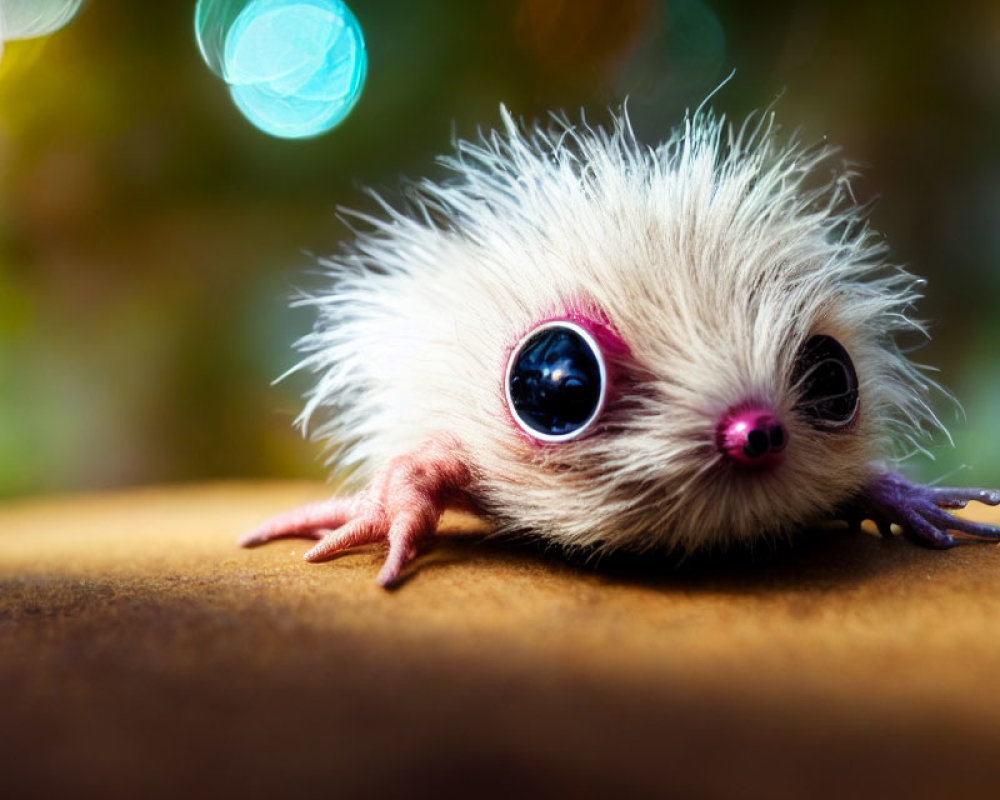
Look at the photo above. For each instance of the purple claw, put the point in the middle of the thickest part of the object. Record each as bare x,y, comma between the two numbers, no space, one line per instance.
921,530
947,521
890,498
957,498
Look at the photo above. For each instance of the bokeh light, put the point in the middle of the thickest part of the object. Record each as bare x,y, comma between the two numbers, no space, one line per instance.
28,19
295,68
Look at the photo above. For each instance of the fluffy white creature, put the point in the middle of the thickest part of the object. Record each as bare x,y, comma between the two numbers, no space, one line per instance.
618,346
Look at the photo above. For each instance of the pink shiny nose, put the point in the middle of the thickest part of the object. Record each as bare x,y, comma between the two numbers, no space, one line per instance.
752,437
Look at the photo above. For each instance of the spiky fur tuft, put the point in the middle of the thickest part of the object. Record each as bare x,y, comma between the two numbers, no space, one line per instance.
714,256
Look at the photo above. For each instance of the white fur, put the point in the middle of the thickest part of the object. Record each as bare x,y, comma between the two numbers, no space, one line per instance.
715,255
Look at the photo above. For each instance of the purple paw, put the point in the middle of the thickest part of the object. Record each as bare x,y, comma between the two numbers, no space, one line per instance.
891,499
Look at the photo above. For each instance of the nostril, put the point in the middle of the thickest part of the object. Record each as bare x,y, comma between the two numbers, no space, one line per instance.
757,443
776,438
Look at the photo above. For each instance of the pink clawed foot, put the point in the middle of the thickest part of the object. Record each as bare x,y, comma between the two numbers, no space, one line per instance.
401,507
340,524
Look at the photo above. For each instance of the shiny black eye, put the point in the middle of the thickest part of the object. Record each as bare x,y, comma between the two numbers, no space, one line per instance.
826,382
556,381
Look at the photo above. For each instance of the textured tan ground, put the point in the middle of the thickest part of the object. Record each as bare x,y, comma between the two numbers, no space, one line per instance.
142,654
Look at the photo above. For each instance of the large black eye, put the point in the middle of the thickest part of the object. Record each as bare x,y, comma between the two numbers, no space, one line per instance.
556,381
826,382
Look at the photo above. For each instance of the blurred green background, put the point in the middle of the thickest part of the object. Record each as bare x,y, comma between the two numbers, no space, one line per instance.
150,237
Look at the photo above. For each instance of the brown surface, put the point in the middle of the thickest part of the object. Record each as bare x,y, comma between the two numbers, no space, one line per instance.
142,654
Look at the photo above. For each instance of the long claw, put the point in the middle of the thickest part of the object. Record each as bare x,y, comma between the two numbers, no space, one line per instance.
952,497
391,571
978,530
403,536
924,532
357,532
306,521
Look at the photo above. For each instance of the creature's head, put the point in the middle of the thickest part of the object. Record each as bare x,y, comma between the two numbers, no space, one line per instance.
683,345
700,339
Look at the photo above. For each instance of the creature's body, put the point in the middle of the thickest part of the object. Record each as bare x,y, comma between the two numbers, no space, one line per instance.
614,346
